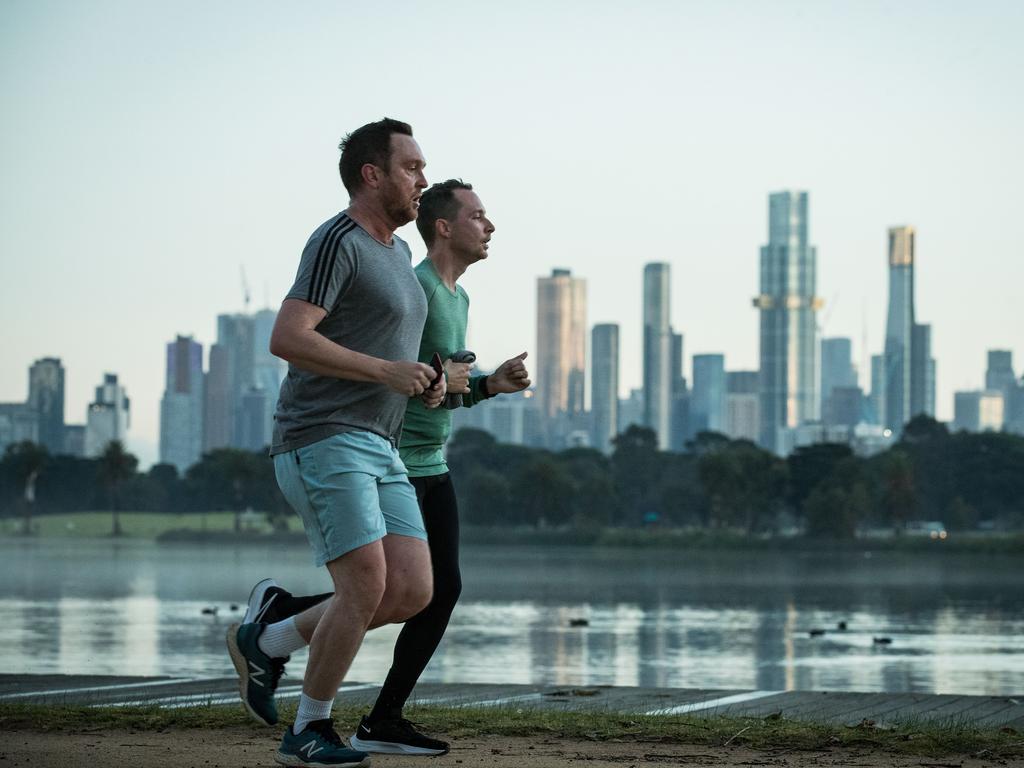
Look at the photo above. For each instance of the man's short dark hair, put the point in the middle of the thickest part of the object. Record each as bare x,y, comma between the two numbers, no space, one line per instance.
438,202
369,144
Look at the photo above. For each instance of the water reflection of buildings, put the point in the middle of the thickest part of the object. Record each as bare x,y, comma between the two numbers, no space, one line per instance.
713,623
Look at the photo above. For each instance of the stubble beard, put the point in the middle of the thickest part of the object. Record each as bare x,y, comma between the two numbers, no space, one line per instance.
399,210
401,214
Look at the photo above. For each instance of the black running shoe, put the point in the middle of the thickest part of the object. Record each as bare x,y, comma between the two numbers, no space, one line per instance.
396,737
318,746
258,674
264,601
269,603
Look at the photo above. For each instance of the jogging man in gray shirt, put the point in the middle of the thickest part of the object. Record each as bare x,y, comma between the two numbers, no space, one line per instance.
350,329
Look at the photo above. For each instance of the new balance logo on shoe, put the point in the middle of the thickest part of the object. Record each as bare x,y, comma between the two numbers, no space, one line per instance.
254,672
310,748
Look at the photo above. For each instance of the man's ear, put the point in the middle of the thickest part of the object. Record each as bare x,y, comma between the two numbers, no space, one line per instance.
371,175
442,229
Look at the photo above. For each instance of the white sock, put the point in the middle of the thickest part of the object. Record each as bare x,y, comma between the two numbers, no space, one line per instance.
310,710
281,639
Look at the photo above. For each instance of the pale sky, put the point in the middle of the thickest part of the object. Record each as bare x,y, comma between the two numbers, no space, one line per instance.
148,151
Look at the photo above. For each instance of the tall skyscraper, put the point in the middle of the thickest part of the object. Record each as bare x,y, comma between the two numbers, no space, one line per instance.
46,400
679,424
236,335
657,352
250,423
788,307
181,408
604,384
837,371
708,411
999,373
268,370
678,379
561,348
922,372
876,401
909,367
999,377
108,416
899,328
218,404
837,368
742,405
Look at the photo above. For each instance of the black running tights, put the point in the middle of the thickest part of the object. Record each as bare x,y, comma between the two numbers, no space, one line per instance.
422,633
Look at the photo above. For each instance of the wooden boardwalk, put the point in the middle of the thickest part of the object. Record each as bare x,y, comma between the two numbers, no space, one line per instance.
811,706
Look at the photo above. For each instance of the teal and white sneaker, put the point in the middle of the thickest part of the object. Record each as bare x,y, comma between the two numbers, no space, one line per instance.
320,746
258,674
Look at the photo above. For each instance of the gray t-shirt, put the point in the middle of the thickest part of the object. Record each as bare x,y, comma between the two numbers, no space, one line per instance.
375,305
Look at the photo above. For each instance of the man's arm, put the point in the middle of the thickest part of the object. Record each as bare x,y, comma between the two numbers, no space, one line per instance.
510,376
296,340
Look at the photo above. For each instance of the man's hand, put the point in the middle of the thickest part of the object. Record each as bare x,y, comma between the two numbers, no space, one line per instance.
434,395
511,376
458,376
406,378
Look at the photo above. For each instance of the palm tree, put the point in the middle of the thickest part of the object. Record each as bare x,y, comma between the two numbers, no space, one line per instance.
116,465
26,461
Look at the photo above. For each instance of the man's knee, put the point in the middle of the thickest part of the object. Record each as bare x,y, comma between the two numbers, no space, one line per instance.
365,594
412,595
361,576
447,588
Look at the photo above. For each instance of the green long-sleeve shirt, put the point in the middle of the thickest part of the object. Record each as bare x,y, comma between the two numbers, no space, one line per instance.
425,430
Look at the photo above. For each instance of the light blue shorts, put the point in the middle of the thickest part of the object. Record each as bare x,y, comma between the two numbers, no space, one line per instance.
349,489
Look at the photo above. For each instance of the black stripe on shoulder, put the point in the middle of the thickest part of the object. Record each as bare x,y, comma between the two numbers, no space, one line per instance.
325,278
321,256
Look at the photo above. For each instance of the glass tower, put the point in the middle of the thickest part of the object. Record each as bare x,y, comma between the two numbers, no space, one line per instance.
657,352
561,346
899,328
788,307
181,408
909,369
604,384
46,400
707,402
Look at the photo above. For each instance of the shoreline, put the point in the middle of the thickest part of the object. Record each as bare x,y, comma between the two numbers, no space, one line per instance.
217,528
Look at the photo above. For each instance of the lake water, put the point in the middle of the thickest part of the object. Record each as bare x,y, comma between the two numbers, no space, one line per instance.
711,620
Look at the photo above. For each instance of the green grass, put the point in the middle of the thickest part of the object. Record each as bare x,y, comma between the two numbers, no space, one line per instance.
771,733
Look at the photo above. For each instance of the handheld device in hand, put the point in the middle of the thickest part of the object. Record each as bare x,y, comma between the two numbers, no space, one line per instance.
462,356
438,366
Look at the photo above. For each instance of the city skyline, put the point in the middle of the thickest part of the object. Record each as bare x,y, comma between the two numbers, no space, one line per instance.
231,146
227,405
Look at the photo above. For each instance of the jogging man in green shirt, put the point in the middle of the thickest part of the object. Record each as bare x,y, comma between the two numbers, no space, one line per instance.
456,230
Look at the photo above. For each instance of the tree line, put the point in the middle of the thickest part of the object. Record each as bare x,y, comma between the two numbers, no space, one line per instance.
963,480
33,482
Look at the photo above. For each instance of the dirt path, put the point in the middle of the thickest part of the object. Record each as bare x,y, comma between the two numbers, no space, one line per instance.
235,748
